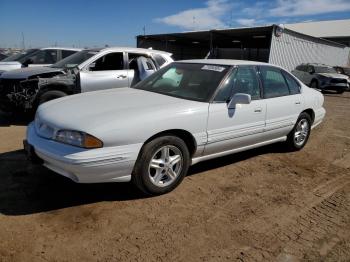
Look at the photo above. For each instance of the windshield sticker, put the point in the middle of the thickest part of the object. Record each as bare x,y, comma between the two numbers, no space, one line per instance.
213,68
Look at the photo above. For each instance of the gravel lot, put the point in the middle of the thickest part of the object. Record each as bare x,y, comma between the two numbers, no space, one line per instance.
264,204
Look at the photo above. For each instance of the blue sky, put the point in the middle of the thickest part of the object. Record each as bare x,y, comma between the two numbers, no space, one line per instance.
96,23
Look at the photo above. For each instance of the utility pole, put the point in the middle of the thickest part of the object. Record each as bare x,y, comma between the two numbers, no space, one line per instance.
23,43
194,22
144,30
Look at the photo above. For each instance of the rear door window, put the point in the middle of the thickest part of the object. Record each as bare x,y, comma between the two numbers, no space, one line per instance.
274,83
310,69
159,59
293,85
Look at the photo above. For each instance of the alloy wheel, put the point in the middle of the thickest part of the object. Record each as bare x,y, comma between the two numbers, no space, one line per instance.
301,132
165,165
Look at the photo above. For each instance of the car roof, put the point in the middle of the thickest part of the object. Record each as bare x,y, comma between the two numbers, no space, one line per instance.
230,62
129,49
62,48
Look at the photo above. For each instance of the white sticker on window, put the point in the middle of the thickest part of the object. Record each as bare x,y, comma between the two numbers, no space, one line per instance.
213,68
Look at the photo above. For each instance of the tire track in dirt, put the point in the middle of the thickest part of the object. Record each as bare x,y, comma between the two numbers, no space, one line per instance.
318,224
313,233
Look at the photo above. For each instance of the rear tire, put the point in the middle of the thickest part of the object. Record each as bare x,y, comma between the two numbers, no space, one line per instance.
300,134
340,91
162,165
51,95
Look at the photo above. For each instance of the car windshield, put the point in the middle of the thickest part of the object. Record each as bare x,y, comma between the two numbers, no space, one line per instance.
19,56
325,69
74,60
196,82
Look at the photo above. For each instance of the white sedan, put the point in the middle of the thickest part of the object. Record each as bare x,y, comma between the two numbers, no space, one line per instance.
185,113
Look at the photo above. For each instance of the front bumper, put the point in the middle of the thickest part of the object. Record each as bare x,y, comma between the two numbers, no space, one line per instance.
334,87
108,164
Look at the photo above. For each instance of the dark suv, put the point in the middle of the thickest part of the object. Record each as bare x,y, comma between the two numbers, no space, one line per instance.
344,71
322,77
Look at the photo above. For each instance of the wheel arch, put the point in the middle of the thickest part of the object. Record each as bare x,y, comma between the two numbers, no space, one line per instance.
52,87
186,136
311,113
314,80
57,87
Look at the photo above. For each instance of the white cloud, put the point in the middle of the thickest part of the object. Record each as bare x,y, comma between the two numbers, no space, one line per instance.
216,13
246,21
307,7
200,18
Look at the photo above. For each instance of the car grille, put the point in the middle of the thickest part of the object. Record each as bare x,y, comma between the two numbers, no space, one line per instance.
339,81
8,86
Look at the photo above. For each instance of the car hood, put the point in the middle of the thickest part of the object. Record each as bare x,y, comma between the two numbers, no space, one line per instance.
333,75
24,73
4,66
10,63
101,109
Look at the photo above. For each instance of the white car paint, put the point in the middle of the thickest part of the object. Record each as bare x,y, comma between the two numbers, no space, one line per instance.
11,65
124,119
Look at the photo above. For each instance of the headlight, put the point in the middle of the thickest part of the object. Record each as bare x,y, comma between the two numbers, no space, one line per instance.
77,138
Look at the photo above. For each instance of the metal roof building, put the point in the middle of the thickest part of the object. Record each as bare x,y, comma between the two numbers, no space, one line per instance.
274,44
335,30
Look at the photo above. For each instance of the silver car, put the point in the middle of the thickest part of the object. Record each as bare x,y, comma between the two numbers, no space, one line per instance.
185,113
85,71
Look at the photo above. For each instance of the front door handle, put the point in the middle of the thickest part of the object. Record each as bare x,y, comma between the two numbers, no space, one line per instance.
258,110
297,102
121,76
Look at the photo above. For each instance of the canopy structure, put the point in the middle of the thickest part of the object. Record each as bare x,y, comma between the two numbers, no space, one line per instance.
272,43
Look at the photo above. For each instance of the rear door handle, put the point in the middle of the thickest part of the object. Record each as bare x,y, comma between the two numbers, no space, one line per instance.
121,76
258,110
297,102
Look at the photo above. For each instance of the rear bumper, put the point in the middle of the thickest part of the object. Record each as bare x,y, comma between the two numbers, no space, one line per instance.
108,164
319,116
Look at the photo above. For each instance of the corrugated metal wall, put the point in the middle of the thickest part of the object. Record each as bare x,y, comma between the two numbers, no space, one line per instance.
292,49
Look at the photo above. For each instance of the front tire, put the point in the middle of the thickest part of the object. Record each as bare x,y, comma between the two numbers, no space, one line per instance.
300,134
314,84
162,165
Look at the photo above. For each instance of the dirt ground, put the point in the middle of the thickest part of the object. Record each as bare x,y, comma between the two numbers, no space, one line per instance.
264,204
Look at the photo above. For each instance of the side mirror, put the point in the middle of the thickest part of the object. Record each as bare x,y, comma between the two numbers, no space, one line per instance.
239,98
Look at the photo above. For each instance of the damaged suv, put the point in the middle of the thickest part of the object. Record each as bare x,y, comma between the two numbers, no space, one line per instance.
87,70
